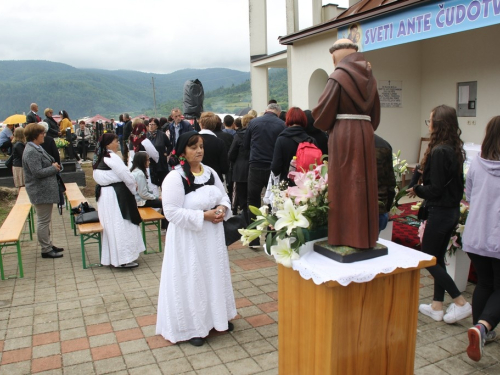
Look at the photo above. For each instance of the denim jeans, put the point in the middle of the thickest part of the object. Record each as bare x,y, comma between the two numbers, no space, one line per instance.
440,224
257,180
486,296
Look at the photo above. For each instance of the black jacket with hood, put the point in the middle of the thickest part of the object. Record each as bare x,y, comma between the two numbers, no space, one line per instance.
286,148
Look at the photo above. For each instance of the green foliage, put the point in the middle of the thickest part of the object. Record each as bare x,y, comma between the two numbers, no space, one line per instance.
86,92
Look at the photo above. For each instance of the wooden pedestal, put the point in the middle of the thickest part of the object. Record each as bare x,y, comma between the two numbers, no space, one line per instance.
363,328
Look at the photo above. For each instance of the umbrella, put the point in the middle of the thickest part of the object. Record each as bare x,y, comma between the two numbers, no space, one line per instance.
15,119
244,111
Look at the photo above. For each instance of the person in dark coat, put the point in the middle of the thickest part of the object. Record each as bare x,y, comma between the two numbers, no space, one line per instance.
288,142
349,109
127,130
178,126
386,180
53,125
32,116
215,149
159,139
260,138
49,145
228,140
239,156
319,135
40,172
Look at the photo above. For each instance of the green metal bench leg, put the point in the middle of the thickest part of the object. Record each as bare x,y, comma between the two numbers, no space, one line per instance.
20,260
82,243
100,246
87,237
1,262
143,227
158,225
32,219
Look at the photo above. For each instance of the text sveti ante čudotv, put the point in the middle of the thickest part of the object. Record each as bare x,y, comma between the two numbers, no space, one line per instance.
445,17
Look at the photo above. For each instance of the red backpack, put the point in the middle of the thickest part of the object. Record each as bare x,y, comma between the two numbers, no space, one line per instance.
307,153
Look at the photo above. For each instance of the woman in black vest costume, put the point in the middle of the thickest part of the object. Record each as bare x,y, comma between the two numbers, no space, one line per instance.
118,214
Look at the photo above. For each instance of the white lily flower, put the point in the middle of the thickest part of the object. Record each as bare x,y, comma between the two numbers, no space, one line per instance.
291,217
460,228
283,252
248,235
264,210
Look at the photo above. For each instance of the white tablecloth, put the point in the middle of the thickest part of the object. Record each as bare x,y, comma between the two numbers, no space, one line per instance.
321,269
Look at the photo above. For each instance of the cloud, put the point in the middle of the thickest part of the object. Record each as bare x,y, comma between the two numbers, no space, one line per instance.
158,36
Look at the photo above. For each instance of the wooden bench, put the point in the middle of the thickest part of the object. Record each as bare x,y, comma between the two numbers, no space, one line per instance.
74,197
149,217
22,198
10,234
89,232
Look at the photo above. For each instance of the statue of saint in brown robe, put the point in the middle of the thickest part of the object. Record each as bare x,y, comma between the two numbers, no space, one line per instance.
352,167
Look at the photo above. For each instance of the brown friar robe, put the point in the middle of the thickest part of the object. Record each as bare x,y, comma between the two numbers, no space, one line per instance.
352,166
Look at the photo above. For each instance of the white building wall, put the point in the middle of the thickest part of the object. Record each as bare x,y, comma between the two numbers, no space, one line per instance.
462,57
429,71
401,126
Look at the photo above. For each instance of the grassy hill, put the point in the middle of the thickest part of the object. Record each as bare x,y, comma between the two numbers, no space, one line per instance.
85,92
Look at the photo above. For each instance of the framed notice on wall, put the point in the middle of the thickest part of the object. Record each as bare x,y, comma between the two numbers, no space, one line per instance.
390,94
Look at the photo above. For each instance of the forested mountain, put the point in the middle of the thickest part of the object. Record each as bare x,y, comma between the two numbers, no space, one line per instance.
86,92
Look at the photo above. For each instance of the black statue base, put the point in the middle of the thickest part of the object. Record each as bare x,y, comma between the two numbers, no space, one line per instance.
347,254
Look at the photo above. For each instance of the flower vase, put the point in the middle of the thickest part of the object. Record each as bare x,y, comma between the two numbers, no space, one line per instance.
316,234
458,266
62,153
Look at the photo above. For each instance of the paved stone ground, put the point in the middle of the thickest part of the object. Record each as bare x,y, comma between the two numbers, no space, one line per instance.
62,319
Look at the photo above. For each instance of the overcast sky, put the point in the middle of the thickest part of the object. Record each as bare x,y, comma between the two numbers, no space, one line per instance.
158,36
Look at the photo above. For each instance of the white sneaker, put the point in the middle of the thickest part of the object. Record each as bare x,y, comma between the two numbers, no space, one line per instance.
437,315
454,313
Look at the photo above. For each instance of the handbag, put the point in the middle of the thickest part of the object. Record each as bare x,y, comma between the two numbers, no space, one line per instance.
87,217
9,161
231,227
82,208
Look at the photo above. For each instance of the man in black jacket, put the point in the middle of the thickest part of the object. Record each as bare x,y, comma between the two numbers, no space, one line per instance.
178,126
32,116
260,138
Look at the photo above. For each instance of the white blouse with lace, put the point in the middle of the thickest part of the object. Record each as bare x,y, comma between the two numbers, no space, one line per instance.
196,292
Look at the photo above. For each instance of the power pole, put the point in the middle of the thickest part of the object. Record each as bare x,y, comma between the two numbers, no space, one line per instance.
154,94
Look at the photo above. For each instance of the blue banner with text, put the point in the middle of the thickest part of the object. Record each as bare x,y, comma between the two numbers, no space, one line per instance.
422,22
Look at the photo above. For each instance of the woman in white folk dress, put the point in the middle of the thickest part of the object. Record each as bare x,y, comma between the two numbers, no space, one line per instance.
196,292
118,214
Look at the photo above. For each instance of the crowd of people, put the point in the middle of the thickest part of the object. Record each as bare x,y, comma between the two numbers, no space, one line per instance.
201,174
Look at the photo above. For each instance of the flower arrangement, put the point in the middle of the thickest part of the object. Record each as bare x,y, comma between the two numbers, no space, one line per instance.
456,236
294,209
61,142
400,167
